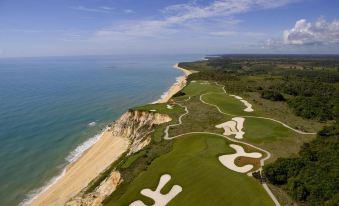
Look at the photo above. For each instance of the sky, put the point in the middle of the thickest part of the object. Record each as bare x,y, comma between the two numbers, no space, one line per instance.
105,27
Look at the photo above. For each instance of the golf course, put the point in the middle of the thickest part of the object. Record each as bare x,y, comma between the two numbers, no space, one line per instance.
206,155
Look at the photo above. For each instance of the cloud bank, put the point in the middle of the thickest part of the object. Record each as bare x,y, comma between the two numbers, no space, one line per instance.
320,32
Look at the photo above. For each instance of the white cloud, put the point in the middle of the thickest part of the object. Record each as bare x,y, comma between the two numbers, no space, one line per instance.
306,33
233,33
180,14
102,9
129,11
223,33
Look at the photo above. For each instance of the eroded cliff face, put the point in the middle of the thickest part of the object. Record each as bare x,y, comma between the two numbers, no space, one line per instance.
137,127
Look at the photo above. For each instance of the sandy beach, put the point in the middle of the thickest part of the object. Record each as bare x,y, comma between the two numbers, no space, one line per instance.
95,160
181,83
86,168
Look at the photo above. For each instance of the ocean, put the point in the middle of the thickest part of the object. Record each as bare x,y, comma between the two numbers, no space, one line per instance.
53,108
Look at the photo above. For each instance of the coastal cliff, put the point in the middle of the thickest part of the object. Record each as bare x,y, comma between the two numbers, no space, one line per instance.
137,127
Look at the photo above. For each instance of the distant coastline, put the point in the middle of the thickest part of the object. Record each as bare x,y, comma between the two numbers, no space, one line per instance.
94,154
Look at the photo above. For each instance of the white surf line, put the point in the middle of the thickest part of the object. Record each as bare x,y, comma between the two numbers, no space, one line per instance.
250,116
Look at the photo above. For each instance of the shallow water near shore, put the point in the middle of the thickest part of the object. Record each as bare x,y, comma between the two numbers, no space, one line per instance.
53,108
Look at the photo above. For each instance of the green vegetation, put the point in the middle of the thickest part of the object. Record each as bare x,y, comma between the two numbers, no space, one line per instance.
162,109
133,158
227,104
309,83
193,164
313,177
272,95
278,87
201,87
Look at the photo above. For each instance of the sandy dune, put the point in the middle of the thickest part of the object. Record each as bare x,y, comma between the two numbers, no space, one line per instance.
85,169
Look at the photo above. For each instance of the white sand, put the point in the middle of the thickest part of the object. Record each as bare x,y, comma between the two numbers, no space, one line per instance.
153,110
233,127
237,97
246,103
181,83
81,172
169,106
159,199
248,106
228,160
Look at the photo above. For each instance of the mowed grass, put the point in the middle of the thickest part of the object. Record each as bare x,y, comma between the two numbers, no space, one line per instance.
193,164
161,108
264,130
200,87
228,104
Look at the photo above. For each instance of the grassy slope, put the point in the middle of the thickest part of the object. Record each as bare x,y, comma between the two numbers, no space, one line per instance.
193,165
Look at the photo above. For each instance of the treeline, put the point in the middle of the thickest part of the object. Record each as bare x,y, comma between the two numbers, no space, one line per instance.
309,92
312,177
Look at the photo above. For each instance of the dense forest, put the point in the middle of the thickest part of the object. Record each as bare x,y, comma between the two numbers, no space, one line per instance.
313,176
309,85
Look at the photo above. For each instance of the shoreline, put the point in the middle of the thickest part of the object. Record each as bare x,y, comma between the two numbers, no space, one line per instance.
177,86
94,160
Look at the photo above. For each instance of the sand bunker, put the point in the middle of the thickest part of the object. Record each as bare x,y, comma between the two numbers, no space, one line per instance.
228,160
248,106
169,106
159,199
152,110
233,126
193,81
204,83
246,103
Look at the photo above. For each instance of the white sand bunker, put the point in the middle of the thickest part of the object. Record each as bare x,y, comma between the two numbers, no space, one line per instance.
233,126
159,199
169,106
228,160
204,83
246,103
152,110
193,81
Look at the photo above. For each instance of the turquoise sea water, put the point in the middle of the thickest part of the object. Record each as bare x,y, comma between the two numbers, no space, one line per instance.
52,108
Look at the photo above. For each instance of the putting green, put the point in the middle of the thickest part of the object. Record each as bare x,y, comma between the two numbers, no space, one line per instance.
193,164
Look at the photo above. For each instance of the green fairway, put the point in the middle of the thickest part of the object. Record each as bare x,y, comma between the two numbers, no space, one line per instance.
263,130
199,87
227,104
193,164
